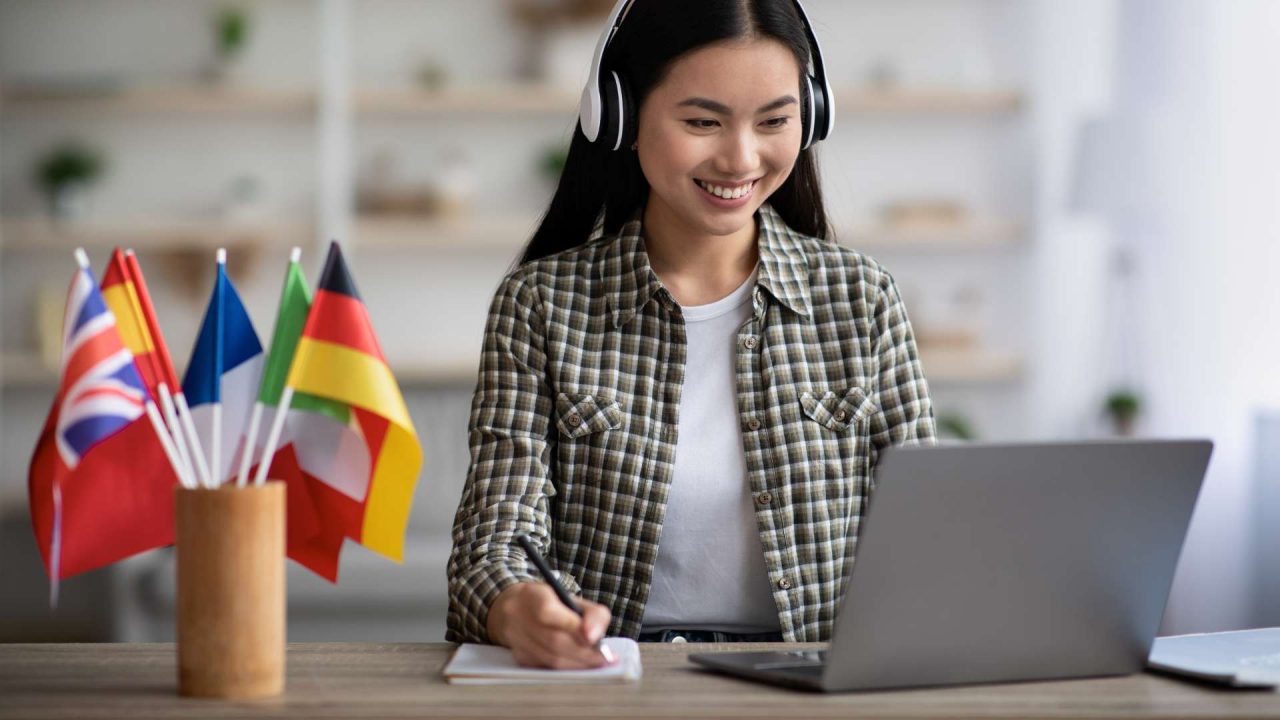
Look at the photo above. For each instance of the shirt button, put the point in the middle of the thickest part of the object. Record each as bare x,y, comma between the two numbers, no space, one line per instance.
575,419
750,343
753,424
785,583
679,639
841,415
764,498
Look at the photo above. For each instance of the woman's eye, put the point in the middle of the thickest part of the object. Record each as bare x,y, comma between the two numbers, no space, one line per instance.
777,123
702,124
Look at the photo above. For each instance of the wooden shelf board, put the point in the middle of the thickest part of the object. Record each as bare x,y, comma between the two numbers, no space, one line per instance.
518,99
513,99
26,370
148,234
941,101
940,366
511,233
976,235
180,99
461,233
962,366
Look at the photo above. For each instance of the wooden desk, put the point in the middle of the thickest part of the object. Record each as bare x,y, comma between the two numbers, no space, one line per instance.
359,680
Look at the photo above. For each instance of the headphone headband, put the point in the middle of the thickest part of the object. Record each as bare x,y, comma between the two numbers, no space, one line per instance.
605,116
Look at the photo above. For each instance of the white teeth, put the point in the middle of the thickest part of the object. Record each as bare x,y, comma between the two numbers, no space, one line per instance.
726,193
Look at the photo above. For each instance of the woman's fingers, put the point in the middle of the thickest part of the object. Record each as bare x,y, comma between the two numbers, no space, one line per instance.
545,633
595,621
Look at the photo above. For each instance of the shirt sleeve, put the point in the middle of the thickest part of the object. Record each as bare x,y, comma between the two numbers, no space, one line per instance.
509,483
906,413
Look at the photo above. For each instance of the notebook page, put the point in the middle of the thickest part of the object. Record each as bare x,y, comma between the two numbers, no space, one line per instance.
474,664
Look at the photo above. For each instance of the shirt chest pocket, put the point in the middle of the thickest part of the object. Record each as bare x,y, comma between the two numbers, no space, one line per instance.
837,411
580,415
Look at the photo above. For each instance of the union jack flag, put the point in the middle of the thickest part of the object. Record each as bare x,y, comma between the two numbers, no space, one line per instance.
102,389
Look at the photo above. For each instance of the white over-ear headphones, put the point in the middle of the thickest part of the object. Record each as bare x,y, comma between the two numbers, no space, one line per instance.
607,114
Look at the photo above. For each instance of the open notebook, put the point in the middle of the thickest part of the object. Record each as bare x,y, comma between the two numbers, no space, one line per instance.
493,665
1241,658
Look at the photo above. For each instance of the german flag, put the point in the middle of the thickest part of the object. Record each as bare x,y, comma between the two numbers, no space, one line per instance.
373,466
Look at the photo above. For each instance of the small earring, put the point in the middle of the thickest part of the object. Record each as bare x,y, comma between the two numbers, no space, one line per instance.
635,146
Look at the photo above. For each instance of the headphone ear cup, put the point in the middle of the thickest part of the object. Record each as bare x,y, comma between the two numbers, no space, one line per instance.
630,117
821,118
806,117
608,111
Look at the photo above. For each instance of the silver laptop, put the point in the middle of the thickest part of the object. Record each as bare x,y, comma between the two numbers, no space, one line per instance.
995,563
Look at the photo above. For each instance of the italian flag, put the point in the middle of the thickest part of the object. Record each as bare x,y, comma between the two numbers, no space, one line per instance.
345,436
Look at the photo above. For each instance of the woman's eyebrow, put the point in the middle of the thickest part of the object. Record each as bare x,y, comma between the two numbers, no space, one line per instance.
722,109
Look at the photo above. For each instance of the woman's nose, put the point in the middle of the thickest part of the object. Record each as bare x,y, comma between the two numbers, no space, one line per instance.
739,154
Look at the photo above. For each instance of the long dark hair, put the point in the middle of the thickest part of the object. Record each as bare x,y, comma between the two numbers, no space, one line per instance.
655,34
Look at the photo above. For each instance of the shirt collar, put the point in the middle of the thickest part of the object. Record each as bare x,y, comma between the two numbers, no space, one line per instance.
631,282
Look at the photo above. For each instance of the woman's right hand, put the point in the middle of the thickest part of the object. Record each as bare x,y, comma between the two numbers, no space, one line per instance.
541,632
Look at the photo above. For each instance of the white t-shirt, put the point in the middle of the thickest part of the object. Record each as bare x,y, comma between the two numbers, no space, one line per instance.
710,571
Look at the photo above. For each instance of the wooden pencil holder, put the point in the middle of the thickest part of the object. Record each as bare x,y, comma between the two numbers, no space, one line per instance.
231,590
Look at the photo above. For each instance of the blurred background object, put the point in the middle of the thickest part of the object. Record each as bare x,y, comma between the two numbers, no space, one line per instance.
1075,198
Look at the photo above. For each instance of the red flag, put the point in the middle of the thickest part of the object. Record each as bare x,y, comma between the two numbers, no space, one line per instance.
100,483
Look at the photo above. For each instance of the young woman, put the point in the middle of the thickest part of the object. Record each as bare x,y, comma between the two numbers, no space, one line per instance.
685,385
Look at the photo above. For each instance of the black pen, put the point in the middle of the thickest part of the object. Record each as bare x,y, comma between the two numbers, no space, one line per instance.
561,593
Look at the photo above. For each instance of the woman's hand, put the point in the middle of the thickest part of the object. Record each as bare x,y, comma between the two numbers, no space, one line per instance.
541,632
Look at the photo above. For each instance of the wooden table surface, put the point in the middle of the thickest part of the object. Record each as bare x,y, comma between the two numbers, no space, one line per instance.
365,680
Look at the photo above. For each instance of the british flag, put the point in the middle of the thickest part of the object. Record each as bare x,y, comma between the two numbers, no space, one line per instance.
102,389
100,485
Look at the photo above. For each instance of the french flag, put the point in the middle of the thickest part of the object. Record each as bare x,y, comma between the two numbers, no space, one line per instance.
222,378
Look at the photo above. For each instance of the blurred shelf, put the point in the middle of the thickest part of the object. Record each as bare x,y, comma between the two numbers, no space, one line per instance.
927,101
969,366
510,233
450,233
513,99
970,236
518,99
941,367
535,99
26,370
451,373
176,99
150,234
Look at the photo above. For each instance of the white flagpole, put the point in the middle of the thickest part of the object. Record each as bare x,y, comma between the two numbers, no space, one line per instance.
246,455
170,416
273,434
215,455
273,437
167,443
197,448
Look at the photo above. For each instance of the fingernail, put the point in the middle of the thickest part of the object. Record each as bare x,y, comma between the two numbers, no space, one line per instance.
608,654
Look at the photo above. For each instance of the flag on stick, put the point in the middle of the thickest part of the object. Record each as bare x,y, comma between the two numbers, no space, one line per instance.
123,295
311,423
222,378
368,459
101,477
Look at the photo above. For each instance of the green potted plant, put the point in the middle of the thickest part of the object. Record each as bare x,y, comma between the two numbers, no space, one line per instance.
66,174
1123,407
954,426
230,36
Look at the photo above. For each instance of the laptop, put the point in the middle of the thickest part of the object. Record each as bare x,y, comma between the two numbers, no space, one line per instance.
995,563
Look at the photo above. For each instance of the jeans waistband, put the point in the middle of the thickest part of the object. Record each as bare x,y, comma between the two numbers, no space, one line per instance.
704,636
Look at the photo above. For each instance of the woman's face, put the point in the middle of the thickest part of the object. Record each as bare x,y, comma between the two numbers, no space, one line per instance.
719,134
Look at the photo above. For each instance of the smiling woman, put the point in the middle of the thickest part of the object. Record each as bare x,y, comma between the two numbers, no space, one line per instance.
684,386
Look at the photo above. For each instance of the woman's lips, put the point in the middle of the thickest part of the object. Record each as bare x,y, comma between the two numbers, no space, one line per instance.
709,190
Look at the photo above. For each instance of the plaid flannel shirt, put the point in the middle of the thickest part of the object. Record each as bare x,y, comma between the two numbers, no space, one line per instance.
573,423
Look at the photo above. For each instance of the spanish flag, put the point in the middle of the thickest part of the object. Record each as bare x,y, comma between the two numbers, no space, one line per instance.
374,465
127,297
